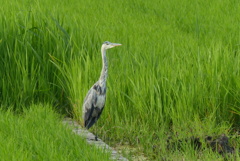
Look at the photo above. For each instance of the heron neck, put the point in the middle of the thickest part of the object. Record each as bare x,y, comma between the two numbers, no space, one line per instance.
104,72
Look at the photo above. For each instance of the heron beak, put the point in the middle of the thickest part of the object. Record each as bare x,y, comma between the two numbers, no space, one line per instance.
116,44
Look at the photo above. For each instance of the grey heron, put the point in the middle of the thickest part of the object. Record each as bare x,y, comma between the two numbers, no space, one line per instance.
95,100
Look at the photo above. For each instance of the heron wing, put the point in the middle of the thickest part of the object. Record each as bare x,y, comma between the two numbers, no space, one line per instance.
88,105
91,109
93,119
89,121
94,116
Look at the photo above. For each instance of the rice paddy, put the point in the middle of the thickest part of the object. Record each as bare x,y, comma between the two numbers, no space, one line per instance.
176,74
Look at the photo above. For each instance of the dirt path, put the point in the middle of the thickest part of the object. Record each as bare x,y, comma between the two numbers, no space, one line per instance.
91,139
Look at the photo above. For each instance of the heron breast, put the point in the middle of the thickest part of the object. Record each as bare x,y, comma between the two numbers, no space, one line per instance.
100,102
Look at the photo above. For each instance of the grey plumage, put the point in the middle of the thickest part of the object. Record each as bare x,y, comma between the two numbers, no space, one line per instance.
95,100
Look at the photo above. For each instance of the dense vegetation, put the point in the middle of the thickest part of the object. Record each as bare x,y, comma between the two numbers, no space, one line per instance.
177,73
37,135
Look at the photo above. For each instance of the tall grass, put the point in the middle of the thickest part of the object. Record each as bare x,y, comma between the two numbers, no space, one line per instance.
177,72
39,135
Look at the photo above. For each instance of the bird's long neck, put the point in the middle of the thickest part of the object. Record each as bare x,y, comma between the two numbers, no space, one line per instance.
104,73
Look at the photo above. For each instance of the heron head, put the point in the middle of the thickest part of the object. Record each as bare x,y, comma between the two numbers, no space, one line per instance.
108,45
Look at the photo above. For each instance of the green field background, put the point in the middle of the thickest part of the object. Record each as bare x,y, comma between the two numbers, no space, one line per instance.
176,74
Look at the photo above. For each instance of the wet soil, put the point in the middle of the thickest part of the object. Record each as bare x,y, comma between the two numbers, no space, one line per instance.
219,144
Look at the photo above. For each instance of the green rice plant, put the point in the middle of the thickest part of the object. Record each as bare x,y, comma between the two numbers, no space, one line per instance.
177,72
38,134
